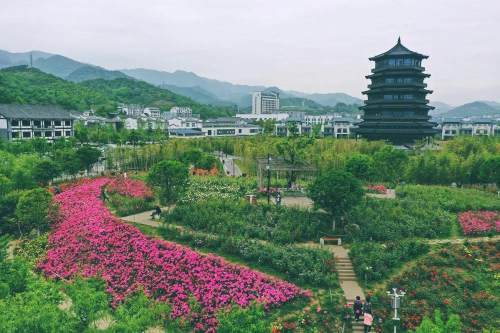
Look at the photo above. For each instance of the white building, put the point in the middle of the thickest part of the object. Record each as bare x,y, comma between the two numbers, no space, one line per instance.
35,121
263,116
179,122
229,127
480,127
265,102
131,123
152,112
181,111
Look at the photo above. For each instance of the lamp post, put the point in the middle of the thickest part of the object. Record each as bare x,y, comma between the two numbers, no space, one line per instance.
396,304
268,168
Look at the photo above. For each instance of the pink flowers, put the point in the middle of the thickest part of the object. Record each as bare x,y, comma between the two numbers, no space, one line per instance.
129,187
479,222
381,189
91,242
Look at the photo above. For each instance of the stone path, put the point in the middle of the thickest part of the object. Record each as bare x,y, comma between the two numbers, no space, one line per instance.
145,218
347,279
390,194
300,202
463,240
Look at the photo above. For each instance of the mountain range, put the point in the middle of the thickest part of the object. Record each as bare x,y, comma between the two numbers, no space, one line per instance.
215,92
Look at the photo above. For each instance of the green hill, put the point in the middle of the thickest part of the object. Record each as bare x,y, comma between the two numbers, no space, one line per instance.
89,72
25,85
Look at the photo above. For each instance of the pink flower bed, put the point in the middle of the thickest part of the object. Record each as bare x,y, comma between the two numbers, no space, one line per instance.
381,189
129,187
89,241
479,222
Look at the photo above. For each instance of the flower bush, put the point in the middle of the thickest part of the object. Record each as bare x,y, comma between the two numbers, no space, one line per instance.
479,222
129,187
380,189
213,188
89,241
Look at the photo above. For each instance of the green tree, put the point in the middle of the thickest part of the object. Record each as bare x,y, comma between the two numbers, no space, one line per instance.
361,166
337,192
390,163
32,210
88,156
45,170
170,179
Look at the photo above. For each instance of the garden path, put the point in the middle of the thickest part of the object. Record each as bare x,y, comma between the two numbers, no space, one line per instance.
145,218
390,194
463,240
230,167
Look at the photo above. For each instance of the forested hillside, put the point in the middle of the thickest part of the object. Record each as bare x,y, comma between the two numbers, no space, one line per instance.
24,85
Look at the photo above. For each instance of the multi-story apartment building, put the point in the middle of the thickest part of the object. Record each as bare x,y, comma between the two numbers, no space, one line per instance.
181,111
152,112
35,121
265,102
336,126
479,127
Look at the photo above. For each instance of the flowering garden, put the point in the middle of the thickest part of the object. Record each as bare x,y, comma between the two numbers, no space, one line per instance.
481,222
89,241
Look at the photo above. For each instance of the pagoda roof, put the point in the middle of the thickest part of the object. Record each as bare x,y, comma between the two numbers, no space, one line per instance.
398,50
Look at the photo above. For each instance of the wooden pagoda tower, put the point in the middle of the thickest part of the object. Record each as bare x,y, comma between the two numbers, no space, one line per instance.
396,108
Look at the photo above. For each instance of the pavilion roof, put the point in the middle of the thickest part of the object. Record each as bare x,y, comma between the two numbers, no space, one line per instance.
398,50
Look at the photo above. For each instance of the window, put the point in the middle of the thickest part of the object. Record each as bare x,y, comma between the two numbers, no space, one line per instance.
37,123
25,122
240,130
15,135
57,123
15,123
68,133
209,132
67,122
48,134
37,134
57,133
26,134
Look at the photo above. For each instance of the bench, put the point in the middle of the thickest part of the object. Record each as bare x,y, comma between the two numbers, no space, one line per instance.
330,239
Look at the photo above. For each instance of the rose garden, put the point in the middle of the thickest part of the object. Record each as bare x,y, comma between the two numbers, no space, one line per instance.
72,259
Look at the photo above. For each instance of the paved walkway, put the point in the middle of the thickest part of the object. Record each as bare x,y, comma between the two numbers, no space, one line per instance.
145,218
463,240
390,194
230,167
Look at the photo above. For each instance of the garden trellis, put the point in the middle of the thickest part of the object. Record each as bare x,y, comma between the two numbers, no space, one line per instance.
279,168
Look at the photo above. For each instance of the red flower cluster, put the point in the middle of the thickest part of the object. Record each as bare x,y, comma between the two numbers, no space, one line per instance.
479,222
90,241
129,187
381,189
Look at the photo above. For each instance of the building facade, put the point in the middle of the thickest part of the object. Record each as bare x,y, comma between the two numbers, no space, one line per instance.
396,108
265,102
19,122
229,127
480,127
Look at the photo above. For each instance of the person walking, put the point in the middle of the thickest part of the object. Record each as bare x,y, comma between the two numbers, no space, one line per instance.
358,308
278,198
367,321
156,212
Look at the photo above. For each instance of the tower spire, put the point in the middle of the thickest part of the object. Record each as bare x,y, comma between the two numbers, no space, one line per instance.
399,40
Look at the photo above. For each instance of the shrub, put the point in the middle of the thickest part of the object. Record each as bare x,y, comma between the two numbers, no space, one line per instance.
125,205
250,320
237,218
382,259
483,222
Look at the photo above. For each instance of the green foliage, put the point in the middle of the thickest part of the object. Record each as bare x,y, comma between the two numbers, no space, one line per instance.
89,300
218,188
379,260
125,205
32,210
170,179
238,218
30,250
337,192
301,265
361,166
451,199
385,220
45,170
87,156
237,320
199,159
455,279
453,325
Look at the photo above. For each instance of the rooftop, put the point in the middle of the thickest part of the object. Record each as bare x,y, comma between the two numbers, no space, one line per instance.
398,50
16,111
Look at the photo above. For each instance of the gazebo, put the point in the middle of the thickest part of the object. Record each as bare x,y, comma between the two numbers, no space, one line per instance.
278,167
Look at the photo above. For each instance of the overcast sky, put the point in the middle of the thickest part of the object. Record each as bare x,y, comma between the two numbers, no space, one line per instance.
310,46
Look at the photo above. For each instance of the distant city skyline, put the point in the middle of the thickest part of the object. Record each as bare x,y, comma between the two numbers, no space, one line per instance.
316,47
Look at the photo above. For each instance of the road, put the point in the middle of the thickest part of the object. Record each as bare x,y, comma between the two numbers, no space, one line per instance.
230,167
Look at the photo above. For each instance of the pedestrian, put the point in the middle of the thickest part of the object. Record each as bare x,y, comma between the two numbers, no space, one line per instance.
367,307
104,196
358,308
367,321
156,212
278,198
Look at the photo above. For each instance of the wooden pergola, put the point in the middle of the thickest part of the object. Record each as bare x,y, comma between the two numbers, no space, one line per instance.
278,167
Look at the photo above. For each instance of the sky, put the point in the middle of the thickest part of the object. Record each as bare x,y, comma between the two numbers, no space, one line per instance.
310,46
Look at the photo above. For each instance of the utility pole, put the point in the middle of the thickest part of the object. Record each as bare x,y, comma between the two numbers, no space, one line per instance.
268,168
396,304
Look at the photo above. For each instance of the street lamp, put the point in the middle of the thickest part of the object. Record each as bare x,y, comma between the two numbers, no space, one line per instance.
268,168
396,304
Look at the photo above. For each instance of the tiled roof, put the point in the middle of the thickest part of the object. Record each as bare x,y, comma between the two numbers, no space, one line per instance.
15,111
